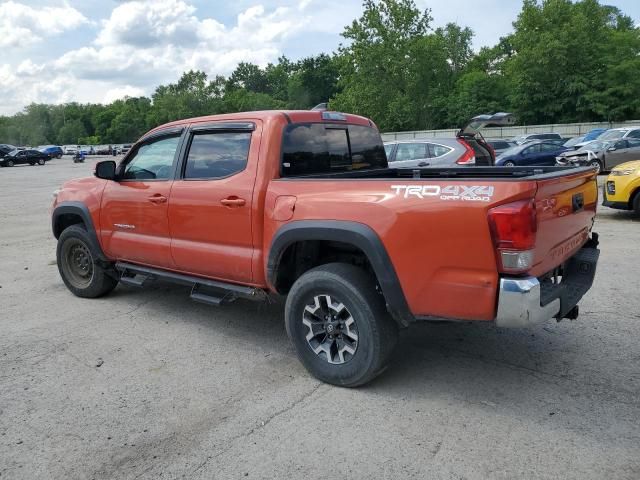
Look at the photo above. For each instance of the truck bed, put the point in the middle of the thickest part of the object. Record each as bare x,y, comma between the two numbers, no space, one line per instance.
434,224
463,173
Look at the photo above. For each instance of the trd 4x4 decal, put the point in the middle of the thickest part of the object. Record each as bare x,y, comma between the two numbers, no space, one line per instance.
474,193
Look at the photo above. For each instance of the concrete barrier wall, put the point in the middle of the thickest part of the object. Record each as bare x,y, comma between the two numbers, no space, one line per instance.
566,130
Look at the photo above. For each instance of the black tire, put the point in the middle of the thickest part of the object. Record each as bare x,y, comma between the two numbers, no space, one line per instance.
636,203
376,332
75,251
9,163
41,161
509,164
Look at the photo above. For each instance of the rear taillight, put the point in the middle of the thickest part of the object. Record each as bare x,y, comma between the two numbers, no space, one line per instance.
469,156
513,228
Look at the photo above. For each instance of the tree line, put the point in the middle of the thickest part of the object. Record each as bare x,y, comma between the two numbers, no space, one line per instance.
565,61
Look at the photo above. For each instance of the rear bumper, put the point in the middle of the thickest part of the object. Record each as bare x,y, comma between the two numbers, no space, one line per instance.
525,301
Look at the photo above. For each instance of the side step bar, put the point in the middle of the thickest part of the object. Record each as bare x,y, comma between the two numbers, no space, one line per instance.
211,292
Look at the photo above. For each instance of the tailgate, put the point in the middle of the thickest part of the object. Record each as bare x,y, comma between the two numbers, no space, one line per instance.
565,208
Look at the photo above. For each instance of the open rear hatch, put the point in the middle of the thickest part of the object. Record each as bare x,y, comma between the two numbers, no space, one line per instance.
470,135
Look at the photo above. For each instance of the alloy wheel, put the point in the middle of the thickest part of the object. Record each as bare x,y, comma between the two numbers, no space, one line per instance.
332,333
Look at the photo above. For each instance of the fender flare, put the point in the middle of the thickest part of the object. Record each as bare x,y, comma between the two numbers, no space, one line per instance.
357,234
81,210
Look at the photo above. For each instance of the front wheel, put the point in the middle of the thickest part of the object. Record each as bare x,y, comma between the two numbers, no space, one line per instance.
339,326
597,165
41,161
9,163
509,164
78,265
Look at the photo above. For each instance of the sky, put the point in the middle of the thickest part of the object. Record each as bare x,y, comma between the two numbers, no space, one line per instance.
56,51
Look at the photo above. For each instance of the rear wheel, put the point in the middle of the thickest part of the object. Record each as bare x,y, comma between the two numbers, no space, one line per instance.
78,265
41,161
338,323
509,164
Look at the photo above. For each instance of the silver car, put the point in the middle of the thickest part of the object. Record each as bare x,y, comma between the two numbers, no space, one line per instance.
468,148
603,154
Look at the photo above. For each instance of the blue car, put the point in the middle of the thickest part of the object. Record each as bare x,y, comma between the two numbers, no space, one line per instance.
52,150
533,153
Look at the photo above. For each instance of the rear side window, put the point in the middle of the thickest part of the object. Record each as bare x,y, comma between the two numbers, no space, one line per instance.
315,148
217,155
412,151
436,150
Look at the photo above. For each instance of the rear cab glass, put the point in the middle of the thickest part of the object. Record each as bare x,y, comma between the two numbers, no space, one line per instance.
317,148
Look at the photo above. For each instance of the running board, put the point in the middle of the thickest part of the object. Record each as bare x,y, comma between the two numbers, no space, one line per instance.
211,292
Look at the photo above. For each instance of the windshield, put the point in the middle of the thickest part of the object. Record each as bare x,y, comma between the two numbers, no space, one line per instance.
573,141
595,145
612,135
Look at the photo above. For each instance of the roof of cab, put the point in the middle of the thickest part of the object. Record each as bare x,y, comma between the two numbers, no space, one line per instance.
290,116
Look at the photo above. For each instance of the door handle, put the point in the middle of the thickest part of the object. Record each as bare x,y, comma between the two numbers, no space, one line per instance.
233,202
157,198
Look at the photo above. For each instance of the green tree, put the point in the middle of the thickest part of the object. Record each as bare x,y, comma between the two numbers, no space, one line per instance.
567,60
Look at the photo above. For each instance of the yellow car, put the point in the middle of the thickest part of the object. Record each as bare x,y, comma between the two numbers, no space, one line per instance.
622,188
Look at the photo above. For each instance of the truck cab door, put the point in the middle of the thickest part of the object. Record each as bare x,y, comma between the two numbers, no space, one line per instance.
134,223
210,210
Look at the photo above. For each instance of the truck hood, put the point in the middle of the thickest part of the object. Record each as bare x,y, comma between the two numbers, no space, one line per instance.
635,164
500,119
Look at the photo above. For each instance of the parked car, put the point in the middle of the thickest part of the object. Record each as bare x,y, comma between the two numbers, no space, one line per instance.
499,145
520,139
123,149
103,150
352,243
27,156
622,188
531,153
52,150
602,154
467,148
5,148
70,149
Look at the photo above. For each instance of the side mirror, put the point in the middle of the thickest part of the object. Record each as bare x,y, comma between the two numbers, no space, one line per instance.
106,170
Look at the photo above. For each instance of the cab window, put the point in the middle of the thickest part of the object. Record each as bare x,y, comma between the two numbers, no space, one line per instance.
153,160
217,155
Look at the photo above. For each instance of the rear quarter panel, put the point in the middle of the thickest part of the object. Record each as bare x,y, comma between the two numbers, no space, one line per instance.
441,248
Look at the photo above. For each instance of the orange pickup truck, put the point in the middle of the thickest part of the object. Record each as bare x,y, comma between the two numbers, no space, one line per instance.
303,204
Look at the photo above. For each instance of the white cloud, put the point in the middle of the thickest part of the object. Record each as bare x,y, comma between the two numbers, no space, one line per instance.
144,43
122,92
22,25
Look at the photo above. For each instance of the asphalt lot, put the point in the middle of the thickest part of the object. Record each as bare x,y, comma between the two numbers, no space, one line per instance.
185,390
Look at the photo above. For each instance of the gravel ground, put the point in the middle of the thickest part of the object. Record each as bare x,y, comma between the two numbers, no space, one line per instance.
147,384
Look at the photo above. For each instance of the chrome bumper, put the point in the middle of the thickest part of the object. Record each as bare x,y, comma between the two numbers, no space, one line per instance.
519,303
